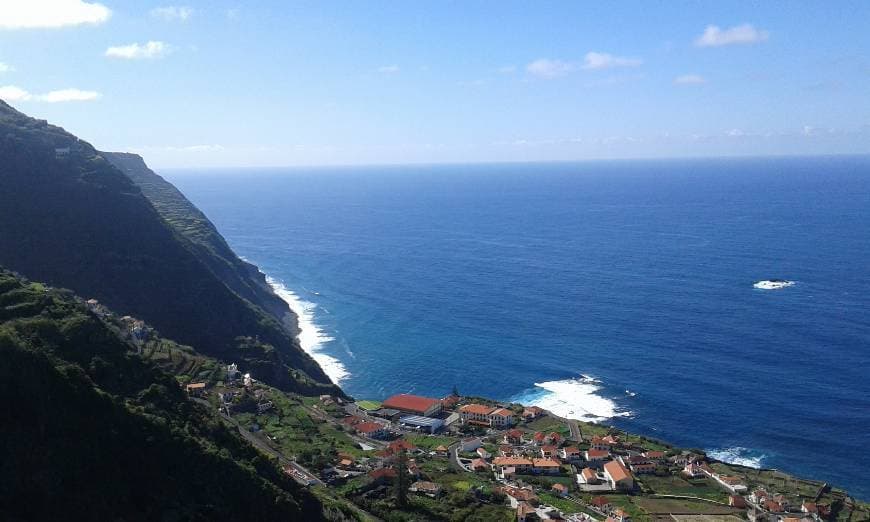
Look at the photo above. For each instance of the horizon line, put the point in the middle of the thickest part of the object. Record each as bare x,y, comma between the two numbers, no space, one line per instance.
509,162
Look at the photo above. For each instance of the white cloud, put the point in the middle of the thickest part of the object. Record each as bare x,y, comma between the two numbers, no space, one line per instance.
690,79
594,60
135,51
714,36
546,68
13,93
5,67
32,14
172,12
66,95
388,69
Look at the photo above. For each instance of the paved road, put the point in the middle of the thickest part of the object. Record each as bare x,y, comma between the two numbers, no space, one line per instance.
576,434
453,452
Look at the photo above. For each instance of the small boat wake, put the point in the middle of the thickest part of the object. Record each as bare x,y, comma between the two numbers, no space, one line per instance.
773,284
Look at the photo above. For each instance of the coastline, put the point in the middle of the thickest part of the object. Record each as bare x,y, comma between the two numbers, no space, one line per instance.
311,336
571,399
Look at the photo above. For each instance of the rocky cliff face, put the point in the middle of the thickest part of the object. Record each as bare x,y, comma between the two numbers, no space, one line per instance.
211,248
71,218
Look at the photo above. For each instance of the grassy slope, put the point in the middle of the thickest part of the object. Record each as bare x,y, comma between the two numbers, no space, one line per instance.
99,432
80,223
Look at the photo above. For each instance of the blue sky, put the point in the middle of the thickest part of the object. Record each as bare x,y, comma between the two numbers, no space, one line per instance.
301,83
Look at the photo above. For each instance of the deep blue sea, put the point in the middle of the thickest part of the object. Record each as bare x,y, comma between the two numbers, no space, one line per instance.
615,291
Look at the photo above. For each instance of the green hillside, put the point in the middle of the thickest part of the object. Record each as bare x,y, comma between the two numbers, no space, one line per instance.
74,220
93,431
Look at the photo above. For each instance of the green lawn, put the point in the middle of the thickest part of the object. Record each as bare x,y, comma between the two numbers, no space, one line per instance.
674,485
430,442
369,405
634,511
545,424
566,506
681,506
546,480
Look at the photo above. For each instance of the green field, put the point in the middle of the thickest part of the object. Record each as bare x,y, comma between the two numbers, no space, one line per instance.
674,485
429,443
564,505
546,424
369,405
681,506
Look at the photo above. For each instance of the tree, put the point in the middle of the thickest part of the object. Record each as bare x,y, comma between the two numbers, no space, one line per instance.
402,479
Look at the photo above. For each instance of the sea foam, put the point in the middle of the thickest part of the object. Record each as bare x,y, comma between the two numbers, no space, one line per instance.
311,336
738,455
574,398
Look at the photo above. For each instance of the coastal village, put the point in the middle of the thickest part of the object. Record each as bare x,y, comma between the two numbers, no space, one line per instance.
411,457
457,449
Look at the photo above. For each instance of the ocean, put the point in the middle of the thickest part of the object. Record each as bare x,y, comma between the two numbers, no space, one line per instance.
619,292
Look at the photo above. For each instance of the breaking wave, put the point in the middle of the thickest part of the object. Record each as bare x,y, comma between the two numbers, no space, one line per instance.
738,455
311,336
573,398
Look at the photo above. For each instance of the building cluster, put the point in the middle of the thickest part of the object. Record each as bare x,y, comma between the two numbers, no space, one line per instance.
526,465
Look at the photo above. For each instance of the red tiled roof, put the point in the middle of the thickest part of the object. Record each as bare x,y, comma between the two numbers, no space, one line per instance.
545,463
572,449
774,506
479,463
597,454
502,412
368,427
511,461
401,444
477,409
515,434
737,501
539,436
600,501
519,493
616,471
449,401
407,402
383,473
524,509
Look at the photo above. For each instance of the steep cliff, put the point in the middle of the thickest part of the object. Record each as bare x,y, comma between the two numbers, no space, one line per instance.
242,277
69,217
